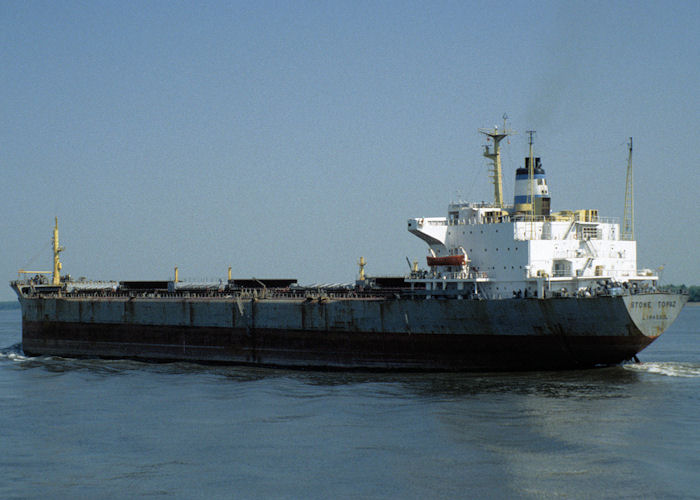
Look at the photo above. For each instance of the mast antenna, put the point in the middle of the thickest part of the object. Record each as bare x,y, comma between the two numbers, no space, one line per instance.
628,218
495,157
531,176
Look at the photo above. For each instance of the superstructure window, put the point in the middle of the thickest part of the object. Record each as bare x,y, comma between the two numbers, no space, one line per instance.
589,232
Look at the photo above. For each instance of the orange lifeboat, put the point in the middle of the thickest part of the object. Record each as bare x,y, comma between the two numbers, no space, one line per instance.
448,260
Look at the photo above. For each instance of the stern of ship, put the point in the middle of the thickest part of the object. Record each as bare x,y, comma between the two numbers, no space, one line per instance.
652,313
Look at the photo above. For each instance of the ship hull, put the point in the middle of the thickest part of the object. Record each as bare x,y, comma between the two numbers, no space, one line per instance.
400,334
330,350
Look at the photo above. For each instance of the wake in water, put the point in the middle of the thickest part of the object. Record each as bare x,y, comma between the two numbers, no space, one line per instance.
13,353
668,368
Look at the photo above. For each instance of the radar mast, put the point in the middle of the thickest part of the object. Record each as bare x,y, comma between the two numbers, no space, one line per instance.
495,157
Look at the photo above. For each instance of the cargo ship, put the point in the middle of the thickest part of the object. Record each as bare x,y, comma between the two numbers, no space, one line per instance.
506,286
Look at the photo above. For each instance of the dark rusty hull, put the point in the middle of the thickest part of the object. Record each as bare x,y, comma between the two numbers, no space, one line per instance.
341,334
329,350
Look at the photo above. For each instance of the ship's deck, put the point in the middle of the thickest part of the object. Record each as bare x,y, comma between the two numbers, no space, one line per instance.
297,293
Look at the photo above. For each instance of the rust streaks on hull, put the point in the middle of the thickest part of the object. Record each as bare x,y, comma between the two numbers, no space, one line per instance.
329,349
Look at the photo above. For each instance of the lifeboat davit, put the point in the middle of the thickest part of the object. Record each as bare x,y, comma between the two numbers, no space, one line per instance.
448,260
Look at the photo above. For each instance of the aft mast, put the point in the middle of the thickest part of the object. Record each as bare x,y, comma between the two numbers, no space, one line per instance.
495,157
628,219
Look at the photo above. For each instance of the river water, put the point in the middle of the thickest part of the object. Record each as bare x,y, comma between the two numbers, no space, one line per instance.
120,429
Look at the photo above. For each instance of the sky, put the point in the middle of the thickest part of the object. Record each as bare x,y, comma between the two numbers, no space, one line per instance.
287,139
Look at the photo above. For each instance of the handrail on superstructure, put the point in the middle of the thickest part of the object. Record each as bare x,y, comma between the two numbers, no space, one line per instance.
521,218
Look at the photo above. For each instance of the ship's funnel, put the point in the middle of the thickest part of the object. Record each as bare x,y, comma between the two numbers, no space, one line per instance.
540,191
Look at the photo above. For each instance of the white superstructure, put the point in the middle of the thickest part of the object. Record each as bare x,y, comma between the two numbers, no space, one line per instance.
501,251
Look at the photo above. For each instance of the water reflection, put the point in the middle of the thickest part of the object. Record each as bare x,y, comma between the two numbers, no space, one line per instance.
594,383
609,382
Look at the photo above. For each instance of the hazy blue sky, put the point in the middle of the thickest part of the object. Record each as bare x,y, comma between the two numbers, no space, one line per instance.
290,138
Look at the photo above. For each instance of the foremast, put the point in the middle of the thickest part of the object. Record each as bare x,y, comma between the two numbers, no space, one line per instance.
57,249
